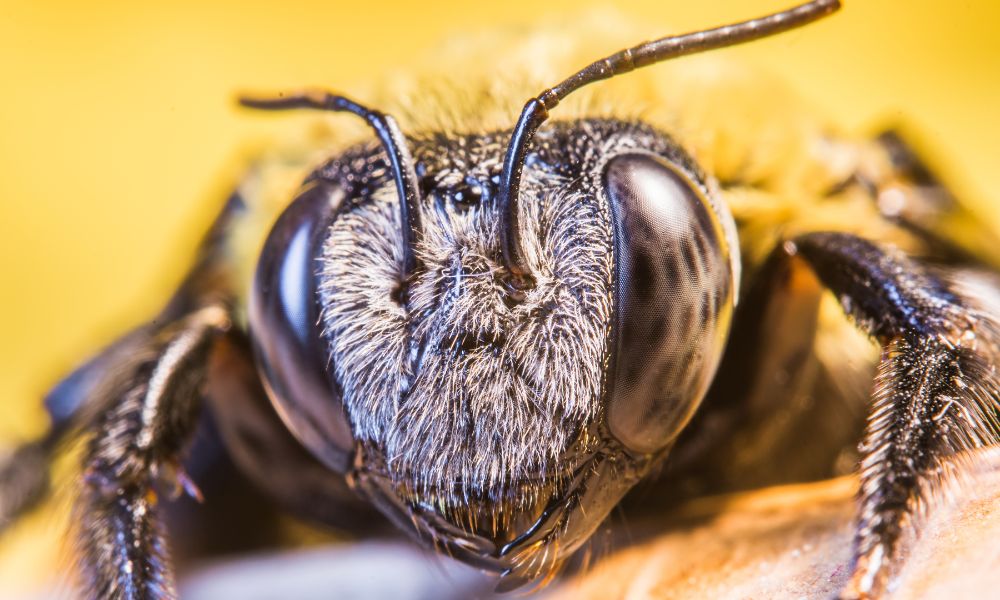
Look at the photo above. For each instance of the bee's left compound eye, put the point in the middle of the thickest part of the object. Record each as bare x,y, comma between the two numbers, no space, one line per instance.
673,298
284,323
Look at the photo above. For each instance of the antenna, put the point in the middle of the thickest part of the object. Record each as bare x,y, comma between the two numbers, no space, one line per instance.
392,140
536,111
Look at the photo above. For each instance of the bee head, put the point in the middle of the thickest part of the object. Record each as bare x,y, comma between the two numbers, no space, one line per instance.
502,418
495,336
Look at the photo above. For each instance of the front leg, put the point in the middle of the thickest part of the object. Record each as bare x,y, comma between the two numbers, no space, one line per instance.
936,393
153,403
137,403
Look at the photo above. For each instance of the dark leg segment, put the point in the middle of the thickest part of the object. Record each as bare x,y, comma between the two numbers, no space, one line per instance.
24,480
936,392
135,446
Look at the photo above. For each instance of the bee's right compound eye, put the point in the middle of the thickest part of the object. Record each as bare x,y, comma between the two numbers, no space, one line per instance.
673,298
286,330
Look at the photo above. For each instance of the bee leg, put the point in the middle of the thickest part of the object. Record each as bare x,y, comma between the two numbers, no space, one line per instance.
936,391
907,190
24,479
152,407
139,414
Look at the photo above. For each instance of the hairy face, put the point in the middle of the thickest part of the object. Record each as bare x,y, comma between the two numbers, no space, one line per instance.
468,388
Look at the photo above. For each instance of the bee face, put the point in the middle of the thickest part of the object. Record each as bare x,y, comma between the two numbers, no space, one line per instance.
495,418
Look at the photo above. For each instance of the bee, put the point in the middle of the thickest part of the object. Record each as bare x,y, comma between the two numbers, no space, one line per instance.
491,333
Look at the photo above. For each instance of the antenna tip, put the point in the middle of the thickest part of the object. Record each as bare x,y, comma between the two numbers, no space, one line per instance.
831,5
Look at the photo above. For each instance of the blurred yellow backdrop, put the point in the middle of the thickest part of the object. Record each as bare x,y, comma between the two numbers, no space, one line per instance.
118,133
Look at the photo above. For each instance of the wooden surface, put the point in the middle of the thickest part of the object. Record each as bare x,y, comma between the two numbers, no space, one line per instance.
795,542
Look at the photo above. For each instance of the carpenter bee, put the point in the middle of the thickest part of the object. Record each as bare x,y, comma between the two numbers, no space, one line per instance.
492,328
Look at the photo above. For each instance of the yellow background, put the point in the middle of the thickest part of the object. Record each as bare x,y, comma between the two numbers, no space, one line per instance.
118,133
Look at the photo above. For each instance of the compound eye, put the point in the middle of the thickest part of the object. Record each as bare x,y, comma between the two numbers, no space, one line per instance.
673,299
285,327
